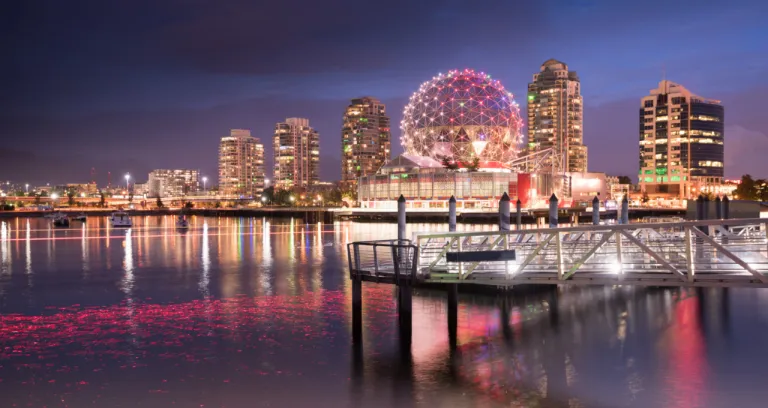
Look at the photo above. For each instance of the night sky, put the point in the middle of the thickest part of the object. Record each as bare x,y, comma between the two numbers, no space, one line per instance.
128,86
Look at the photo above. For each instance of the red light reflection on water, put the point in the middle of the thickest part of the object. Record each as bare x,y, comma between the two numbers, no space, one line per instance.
686,378
101,330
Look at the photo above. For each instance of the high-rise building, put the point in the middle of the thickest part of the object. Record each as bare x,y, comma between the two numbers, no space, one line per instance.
241,165
555,117
172,183
681,142
365,140
297,154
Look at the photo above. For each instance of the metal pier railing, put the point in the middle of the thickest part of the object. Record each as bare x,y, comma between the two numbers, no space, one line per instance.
392,261
700,253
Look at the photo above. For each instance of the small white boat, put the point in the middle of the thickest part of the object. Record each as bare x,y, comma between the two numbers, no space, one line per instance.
120,219
182,222
81,217
52,215
61,220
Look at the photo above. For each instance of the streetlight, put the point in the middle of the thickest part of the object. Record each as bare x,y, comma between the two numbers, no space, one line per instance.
127,181
266,182
26,187
54,196
291,198
205,179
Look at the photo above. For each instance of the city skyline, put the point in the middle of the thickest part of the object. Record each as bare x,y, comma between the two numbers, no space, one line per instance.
60,98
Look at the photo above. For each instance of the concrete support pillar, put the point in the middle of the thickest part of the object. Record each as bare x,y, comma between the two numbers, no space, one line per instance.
554,309
595,211
357,311
452,214
405,319
506,329
519,214
553,211
453,315
504,215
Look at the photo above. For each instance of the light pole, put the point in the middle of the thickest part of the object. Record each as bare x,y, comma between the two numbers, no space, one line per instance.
54,196
26,188
127,182
205,179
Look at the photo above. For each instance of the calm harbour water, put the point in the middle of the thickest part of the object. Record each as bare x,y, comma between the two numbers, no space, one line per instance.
257,312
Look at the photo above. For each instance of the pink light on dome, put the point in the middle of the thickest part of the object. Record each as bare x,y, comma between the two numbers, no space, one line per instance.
464,107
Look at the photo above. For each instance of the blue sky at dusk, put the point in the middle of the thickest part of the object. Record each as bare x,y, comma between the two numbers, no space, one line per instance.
128,86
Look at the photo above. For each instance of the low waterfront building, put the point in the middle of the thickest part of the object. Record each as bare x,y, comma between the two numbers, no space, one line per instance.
426,183
173,183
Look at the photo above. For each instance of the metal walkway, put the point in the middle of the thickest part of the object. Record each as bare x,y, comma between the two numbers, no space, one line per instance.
723,253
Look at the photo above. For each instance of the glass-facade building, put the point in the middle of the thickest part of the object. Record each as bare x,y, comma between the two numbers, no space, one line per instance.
297,154
365,140
681,142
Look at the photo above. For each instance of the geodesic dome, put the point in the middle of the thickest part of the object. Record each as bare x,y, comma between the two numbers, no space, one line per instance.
462,114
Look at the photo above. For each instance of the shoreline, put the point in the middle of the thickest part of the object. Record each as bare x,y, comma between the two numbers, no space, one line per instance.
329,215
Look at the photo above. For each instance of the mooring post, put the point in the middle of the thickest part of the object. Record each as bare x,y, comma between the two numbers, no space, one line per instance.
504,215
519,214
553,211
705,214
595,211
401,218
453,314
718,208
726,214
700,208
625,210
705,209
452,214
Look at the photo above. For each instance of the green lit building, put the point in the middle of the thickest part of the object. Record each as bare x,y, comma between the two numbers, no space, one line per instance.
681,143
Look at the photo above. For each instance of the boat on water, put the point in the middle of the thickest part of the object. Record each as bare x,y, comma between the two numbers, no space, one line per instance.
120,219
182,222
51,215
61,220
81,217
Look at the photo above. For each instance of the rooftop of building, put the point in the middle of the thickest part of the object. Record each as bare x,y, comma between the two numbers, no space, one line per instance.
668,87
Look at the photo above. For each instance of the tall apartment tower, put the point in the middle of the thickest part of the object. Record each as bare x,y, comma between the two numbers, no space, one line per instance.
681,142
555,117
241,165
365,140
297,154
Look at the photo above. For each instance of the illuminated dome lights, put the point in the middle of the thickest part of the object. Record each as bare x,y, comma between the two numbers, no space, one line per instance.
462,115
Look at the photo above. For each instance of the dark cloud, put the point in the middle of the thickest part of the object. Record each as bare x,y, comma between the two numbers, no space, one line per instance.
160,81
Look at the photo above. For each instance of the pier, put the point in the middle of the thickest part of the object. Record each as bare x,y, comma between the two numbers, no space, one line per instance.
667,252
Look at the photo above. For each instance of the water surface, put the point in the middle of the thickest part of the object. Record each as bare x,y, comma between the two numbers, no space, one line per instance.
242,312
